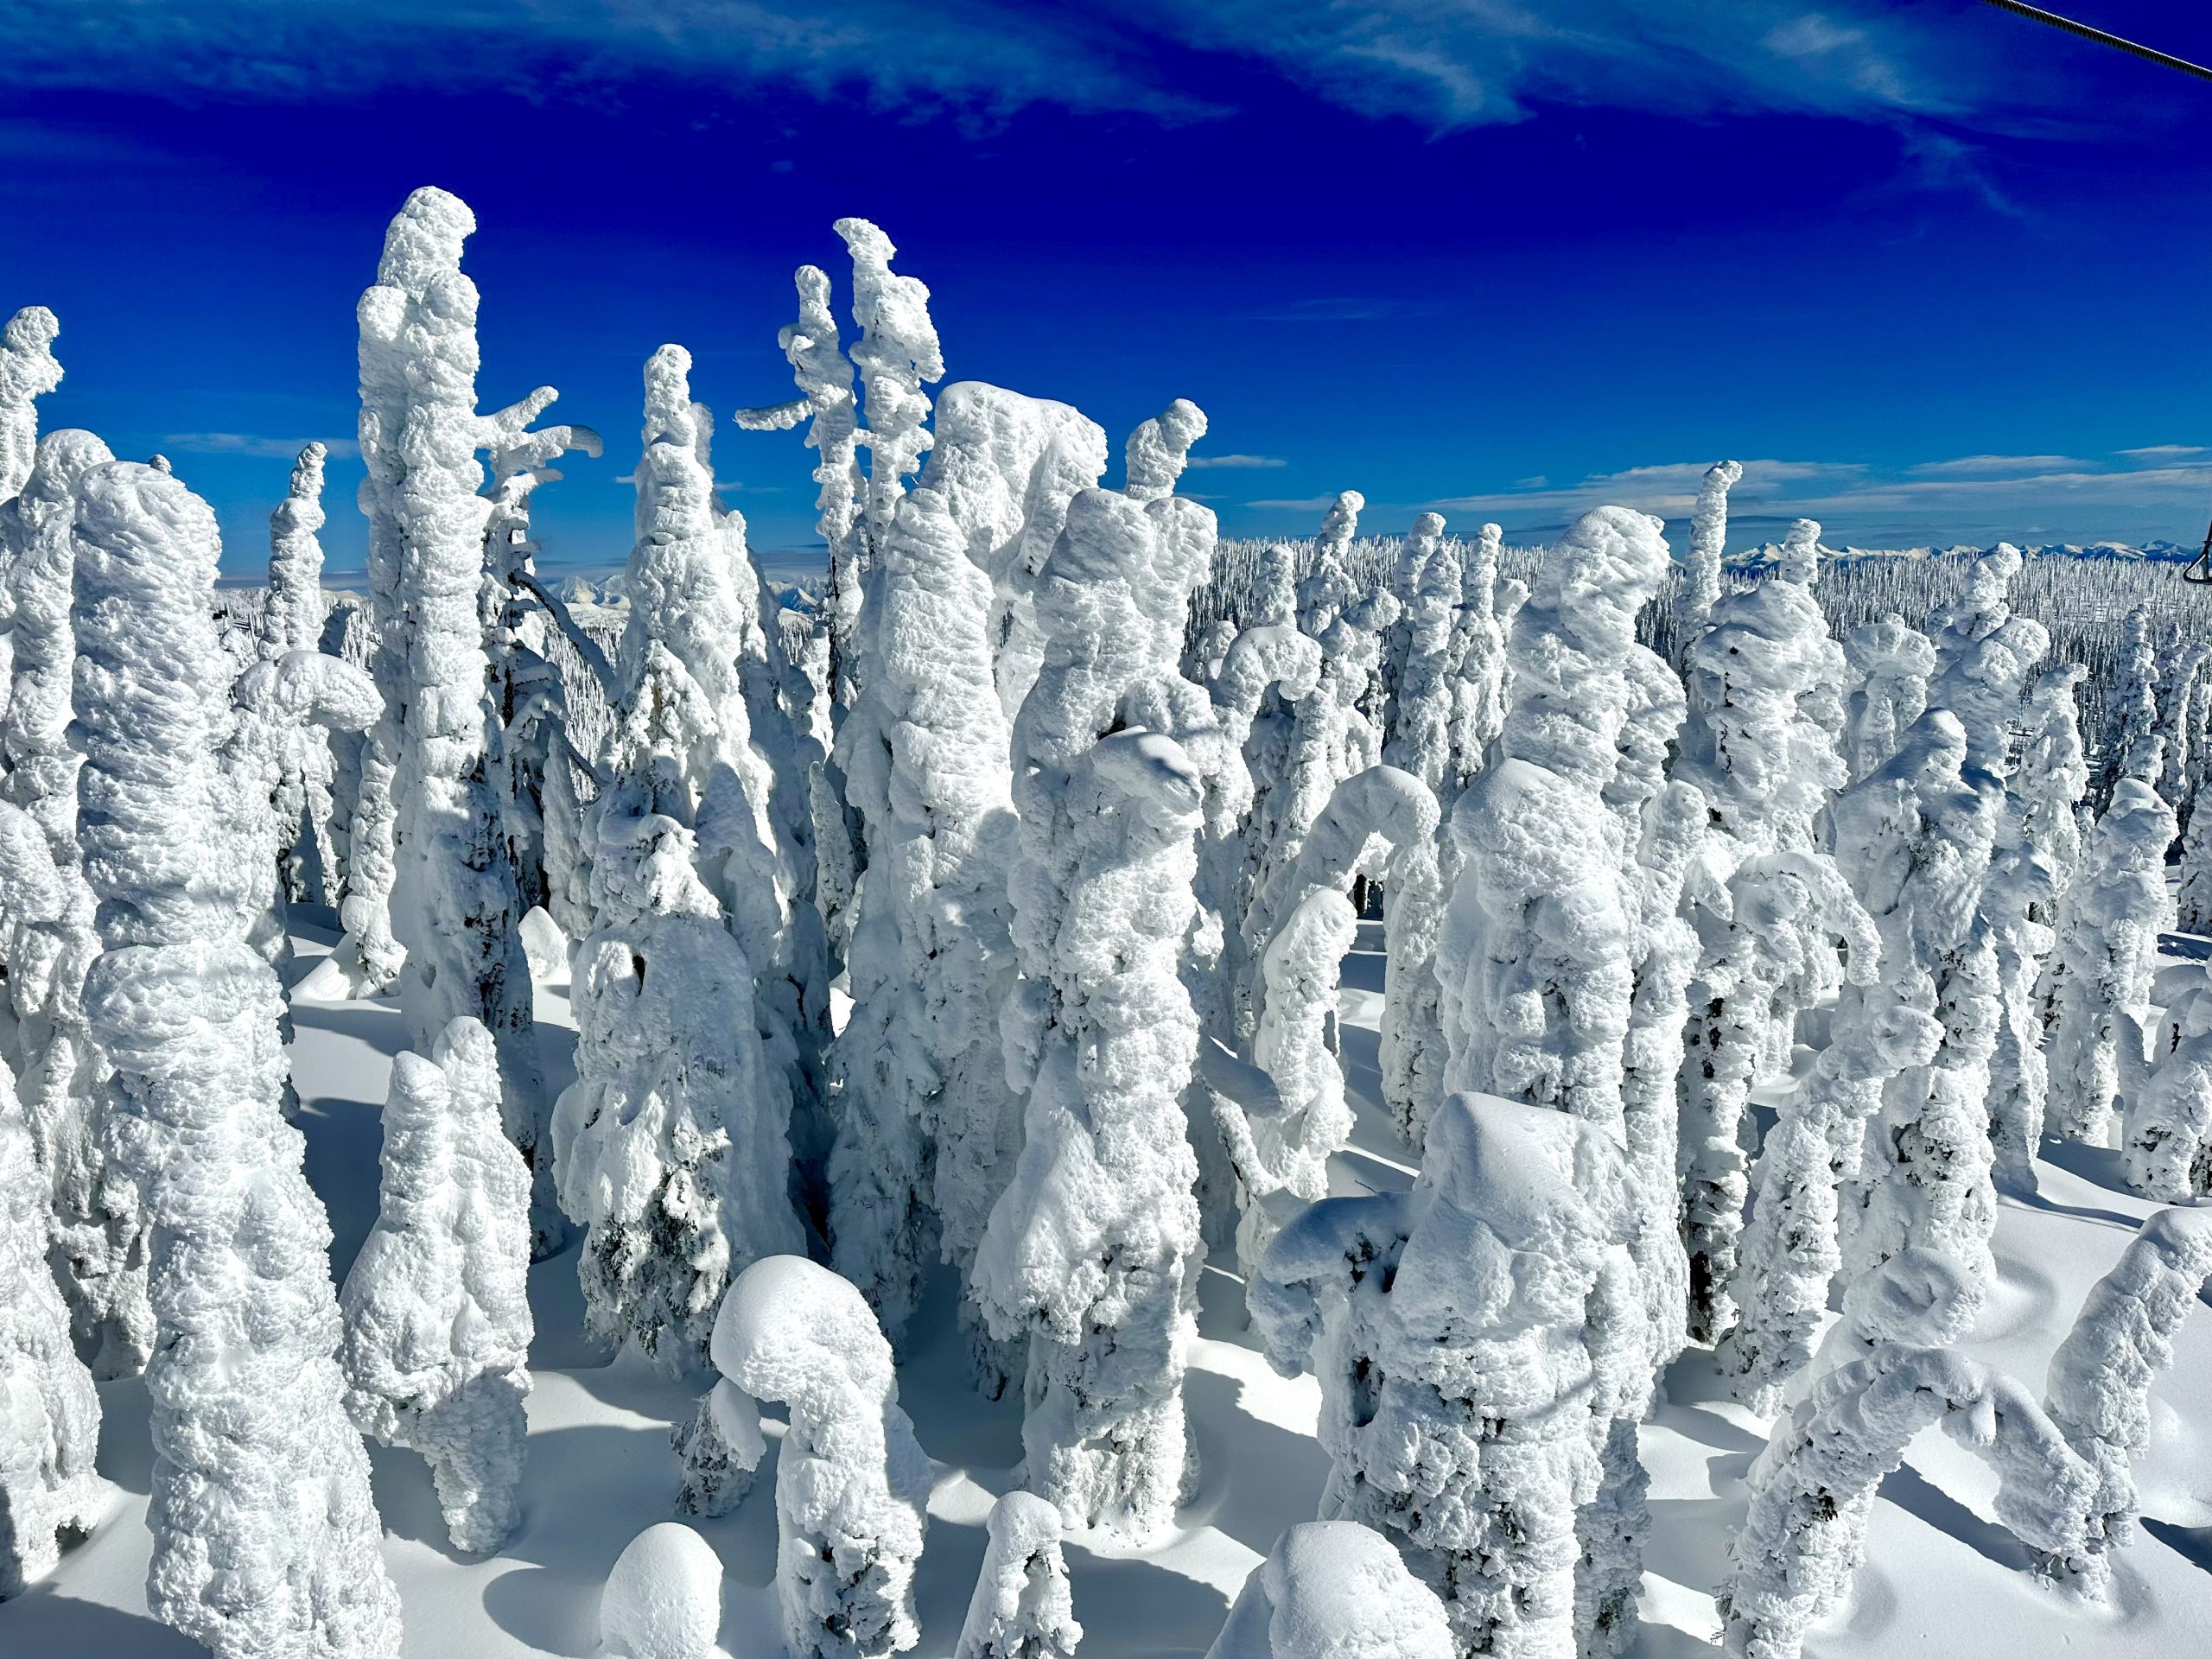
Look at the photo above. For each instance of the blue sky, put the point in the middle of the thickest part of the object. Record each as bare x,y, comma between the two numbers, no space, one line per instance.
1932,272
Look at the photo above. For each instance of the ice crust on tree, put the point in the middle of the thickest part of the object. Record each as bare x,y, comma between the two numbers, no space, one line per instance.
1334,1590
28,370
49,1490
1708,539
1091,1249
1813,1488
1159,449
1466,1338
852,1486
1021,1608
437,1304
243,1380
673,1146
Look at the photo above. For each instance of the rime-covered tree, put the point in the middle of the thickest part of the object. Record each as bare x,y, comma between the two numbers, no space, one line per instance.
1334,1590
1891,665
437,1304
244,1379
1708,540
1021,1609
673,1145
1159,449
2168,1114
96,1242
852,1486
1462,1334
1477,656
2116,906
28,371
453,903
49,1490
1421,737
1090,1250
294,622
2132,747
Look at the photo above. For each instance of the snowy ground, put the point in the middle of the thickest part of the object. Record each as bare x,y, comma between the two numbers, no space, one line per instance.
1943,1579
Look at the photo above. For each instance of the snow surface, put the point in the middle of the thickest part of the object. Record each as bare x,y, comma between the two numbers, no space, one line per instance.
1942,1578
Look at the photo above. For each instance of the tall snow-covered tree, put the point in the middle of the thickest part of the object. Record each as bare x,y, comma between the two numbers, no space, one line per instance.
437,1304
1338,1589
1708,540
1462,1334
294,622
1477,656
852,1486
28,370
673,1145
2169,1116
1891,665
2133,747
928,1127
1021,1609
1421,736
1158,449
1090,1250
453,903
49,1490
245,1382
96,1244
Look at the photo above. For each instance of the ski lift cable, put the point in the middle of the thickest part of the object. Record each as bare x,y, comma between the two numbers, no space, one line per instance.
2198,569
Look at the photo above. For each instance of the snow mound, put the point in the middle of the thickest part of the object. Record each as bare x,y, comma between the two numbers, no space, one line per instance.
664,1599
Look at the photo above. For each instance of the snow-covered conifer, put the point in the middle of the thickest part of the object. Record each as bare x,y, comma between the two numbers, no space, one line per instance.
1421,737
896,354
852,1486
1708,540
245,1381
1274,599
453,905
1158,449
927,1123
437,1304
96,1243
1479,655
28,371
1890,665
2116,906
673,1145
1091,1248
1021,1609
2163,1137
1334,1590
2098,1388
1813,1488
2133,748
303,803
49,1490
1461,1335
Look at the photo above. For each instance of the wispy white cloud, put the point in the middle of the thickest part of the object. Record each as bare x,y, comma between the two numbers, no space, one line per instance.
246,443
1301,503
2166,451
1995,465
1237,462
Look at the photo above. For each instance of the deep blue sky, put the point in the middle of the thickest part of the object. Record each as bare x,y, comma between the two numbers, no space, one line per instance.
1935,273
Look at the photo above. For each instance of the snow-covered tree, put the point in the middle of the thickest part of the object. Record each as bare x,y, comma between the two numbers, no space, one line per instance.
28,371
1479,655
2098,1388
2163,1134
1273,601
47,909
1091,1249
1334,1590
2133,747
1462,1334
673,1145
453,903
928,1127
2054,774
437,1304
294,622
1708,540
49,1490
244,1379
852,1486
896,354
2116,906
1159,449
1421,736
1021,1609
1891,665
1813,1488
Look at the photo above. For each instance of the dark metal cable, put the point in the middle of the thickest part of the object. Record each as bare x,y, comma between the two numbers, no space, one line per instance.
2150,53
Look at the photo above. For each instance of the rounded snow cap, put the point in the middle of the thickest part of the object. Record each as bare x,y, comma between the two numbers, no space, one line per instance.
1523,1170
787,1305
664,1599
1336,1590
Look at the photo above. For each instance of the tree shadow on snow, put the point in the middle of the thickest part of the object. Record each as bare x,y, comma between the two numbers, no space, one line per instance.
1255,1479
1152,1608
2099,1166
43,1624
2192,1544
2185,947
1914,1493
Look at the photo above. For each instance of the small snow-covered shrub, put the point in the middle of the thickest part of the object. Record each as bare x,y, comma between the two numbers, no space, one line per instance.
663,1598
1021,1609
1334,1590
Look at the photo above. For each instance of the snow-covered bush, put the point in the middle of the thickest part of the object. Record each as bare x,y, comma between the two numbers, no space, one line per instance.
1334,1590
2098,1390
243,1380
437,1304
1891,665
49,1490
28,371
852,1487
663,1598
1813,1488
1467,1338
1021,1609
453,905
48,911
928,1123
1091,1248
2116,906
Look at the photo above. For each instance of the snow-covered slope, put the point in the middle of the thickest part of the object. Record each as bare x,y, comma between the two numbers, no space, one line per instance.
1943,1579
